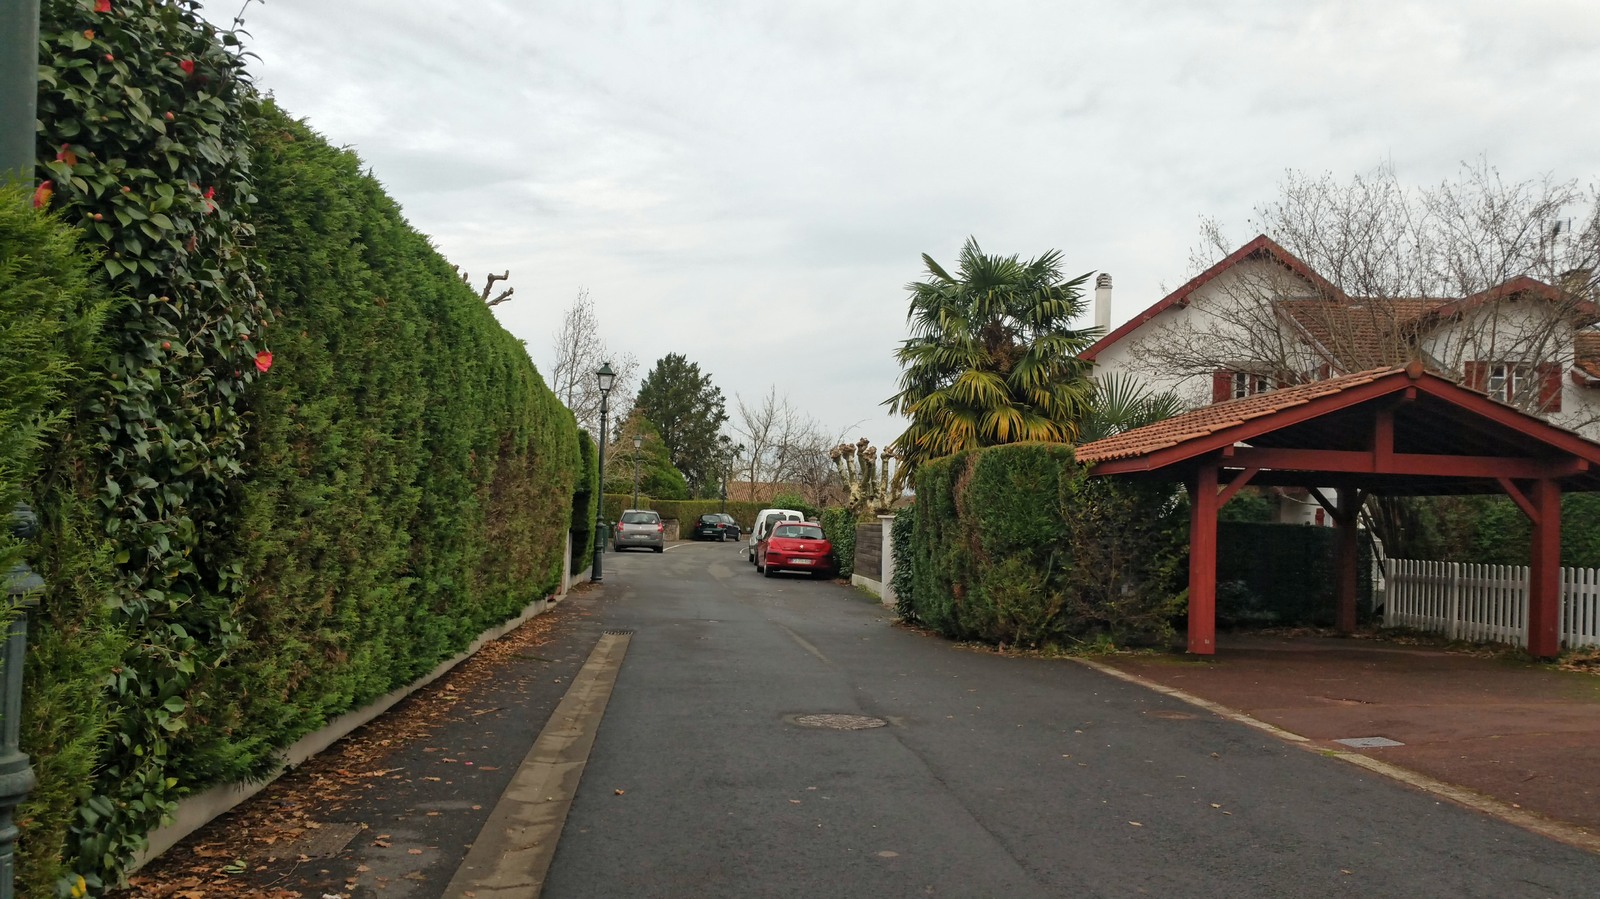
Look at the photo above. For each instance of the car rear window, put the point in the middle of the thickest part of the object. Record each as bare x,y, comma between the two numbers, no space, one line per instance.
709,519
798,531
640,518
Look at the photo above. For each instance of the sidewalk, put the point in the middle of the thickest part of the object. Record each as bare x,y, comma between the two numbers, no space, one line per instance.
1524,734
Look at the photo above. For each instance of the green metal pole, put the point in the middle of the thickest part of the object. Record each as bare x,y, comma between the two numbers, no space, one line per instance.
16,774
19,88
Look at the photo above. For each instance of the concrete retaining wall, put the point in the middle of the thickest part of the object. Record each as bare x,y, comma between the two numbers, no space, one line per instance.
199,809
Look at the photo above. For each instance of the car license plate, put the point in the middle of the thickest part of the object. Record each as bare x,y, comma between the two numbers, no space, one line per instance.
801,561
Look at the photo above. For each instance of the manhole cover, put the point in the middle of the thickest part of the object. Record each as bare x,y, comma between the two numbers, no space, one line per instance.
1369,742
839,722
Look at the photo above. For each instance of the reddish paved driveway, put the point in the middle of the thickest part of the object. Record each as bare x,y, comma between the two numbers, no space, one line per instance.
1518,732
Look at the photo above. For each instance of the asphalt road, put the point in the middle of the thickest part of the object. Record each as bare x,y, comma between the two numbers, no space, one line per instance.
995,776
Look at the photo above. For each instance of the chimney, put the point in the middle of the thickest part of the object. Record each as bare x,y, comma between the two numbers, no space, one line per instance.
1102,302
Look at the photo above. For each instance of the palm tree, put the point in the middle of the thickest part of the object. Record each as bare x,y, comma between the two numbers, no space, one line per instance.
1121,403
992,358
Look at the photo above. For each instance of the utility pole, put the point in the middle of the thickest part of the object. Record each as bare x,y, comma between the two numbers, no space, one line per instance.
19,89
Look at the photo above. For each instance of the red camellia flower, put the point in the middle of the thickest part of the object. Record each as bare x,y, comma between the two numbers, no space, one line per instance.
263,361
102,5
66,155
187,66
210,197
41,196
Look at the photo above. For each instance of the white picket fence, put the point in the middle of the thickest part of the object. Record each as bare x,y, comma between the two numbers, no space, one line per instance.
1489,603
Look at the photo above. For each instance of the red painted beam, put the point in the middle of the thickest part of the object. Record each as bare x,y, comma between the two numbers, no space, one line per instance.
1520,498
1544,573
1357,462
1203,562
1235,485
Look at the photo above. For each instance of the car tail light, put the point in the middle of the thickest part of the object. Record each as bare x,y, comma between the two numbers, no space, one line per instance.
660,528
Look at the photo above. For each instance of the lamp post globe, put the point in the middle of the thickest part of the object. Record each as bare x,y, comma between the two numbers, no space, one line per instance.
607,377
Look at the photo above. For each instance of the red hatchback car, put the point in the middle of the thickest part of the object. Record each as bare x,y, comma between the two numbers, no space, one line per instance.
795,546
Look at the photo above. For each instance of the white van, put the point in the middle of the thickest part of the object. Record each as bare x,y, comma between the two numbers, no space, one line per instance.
765,519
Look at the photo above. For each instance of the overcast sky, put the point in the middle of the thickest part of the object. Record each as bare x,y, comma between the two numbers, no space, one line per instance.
752,184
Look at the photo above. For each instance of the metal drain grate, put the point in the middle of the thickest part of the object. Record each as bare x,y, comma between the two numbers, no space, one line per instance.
1369,742
839,722
620,631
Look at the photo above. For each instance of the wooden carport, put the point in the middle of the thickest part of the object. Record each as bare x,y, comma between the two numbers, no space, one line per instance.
1394,431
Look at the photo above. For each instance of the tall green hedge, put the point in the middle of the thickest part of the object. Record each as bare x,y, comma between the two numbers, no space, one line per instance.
410,478
585,504
308,465
1016,545
51,353
839,526
686,511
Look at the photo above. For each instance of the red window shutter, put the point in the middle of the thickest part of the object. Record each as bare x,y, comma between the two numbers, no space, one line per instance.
1221,385
1478,375
1549,386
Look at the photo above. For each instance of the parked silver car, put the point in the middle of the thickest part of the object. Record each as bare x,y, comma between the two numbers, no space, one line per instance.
641,528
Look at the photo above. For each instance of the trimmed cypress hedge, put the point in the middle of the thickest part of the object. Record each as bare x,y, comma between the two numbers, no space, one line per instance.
1016,545
404,480
839,526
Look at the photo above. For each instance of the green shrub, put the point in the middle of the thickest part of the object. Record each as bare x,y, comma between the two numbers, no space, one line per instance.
51,312
839,526
900,545
1017,545
792,500
585,504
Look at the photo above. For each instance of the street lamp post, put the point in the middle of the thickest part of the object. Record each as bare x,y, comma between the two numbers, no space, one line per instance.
19,88
638,441
16,774
606,376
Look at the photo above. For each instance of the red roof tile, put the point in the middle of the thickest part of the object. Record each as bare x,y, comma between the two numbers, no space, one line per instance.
1211,419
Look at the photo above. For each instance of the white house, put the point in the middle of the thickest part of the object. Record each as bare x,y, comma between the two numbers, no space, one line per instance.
1261,318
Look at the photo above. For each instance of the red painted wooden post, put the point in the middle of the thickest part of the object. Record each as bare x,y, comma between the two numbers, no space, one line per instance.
1348,558
1203,562
1544,572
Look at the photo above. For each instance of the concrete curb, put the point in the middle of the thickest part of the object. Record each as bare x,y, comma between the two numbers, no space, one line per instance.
511,855
199,809
1504,811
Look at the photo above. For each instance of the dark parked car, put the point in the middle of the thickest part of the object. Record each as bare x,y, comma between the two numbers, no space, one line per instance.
795,546
641,528
716,526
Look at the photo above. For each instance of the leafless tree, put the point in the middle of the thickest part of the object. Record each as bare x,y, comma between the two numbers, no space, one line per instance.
1387,262
488,285
783,445
579,353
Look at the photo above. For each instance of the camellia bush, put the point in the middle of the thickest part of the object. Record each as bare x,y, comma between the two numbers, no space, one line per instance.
1016,545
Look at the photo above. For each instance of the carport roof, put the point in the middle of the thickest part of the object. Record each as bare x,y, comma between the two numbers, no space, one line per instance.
1390,430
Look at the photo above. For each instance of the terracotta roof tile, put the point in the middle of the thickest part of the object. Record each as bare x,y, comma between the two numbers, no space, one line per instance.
1218,417
1364,333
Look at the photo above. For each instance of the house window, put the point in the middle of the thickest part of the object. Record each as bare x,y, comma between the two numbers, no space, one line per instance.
1227,384
1247,384
1508,382
1536,387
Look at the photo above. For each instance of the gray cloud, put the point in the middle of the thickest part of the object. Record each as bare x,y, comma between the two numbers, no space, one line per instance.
751,183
